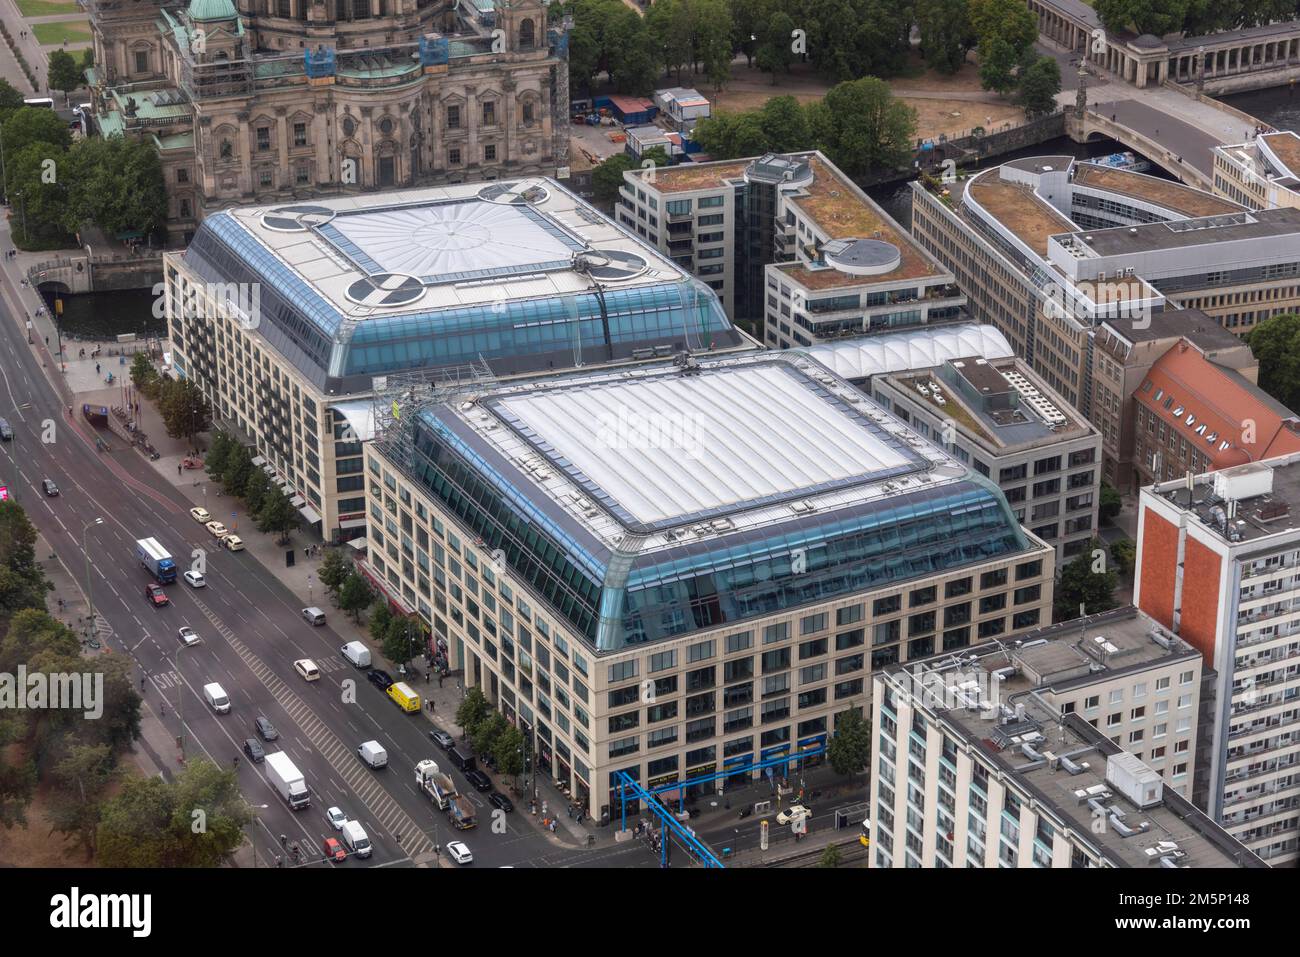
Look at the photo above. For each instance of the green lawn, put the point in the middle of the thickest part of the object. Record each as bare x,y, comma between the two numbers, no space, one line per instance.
47,8
53,34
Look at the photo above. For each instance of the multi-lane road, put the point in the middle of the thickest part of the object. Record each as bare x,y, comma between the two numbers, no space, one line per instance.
252,632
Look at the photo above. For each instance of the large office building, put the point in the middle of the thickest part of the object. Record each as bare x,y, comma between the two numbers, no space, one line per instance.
280,102
1219,564
792,242
1072,747
1123,354
960,386
1047,248
688,568
1263,173
288,316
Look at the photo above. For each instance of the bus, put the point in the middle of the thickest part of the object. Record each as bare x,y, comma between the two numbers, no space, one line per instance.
39,102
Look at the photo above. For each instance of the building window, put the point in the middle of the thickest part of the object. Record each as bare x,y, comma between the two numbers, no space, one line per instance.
453,117
453,157
300,134
489,153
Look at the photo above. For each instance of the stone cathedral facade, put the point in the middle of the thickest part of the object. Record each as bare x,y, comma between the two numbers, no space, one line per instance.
264,101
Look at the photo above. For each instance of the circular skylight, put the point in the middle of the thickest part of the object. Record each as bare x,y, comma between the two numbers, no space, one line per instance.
613,265
385,290
862,257
296,219
514,194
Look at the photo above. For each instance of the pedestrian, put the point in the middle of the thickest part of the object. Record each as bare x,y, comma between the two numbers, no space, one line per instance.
96,368
427,676
163,706
178,470
47,338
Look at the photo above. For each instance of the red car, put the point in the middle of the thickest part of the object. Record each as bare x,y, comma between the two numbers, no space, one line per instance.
334,850
157,597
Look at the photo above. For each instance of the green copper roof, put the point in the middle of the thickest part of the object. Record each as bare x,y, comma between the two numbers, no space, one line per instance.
203,10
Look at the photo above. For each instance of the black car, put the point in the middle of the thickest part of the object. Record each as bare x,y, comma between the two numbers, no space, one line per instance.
265,729
253,748
51,490
443,740
497,799
480,780
380,679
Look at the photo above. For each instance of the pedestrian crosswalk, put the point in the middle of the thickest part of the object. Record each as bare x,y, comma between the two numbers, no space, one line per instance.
362,783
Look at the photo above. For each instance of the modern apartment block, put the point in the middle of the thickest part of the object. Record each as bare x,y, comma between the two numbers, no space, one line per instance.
288,316
1058,750
1219,564
1260,174
790,240
744,540
1193,415
1047,248
1123,354
999,417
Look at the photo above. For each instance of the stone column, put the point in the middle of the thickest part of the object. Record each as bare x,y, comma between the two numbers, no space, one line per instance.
283,134
1164,72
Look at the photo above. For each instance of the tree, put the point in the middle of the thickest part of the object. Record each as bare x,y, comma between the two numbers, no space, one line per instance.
184,408
784,125
143,375
850,748
22,581
333,572
65,72
831,857
669,22
1151,16
220,449
1009,20
862,127
607,178
472,710
197,820
11,99
277,516
37,186
239,469
1275,342
1040,81
1088,580
488,731
1124,554
713,39
1109,503
117,182
381,616
998,64
355,595
946,33
508,753
774,48
258,490
81,779
400,639
630,51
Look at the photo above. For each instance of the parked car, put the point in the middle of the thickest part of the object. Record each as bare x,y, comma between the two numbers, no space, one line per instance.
442,739
200,515
380,679
337,818
194,579
233,543
333,850
253,748
459,852
217,530
51,489
499,800
480,780
188,636
265,729
157,597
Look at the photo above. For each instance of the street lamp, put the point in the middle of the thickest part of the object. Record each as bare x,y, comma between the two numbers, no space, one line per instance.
252,840
90,595
180,699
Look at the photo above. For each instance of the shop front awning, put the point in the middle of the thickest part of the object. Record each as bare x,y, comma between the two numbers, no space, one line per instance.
358,544
353,523
297,501
259,461
268,468
310,514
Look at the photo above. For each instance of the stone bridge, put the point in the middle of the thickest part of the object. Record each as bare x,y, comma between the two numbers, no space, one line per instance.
86,273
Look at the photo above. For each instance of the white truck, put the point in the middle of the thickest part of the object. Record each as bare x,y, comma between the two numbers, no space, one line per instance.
288,780
434,783
354,836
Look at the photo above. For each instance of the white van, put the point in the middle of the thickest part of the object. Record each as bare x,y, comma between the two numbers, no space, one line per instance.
373,753
357,653
217,698
354,836
313,616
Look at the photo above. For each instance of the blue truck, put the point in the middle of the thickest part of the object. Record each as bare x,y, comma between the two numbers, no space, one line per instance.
155,558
